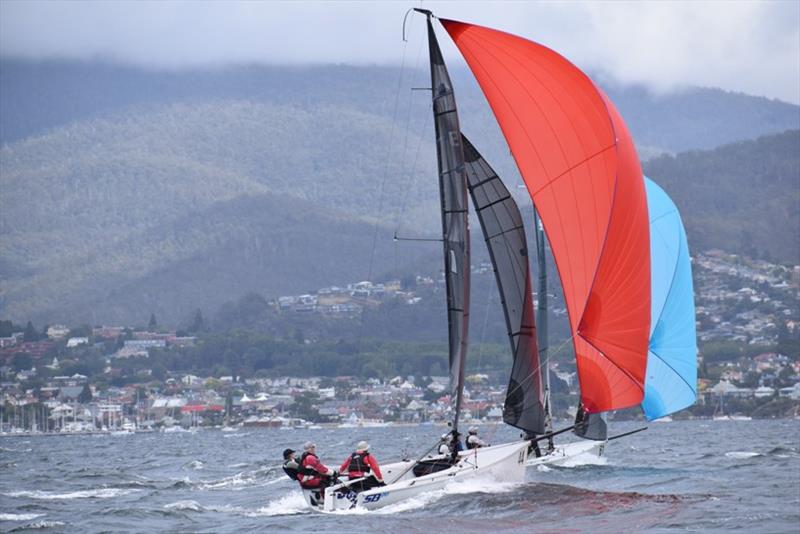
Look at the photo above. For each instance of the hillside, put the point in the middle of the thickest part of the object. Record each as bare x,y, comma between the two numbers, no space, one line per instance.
39,96
173,198
116,214
743,197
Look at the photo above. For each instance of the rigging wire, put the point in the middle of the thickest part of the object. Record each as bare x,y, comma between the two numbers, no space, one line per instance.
411,172
381,188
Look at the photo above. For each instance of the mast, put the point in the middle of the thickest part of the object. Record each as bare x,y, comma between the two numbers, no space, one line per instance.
541,321
455,218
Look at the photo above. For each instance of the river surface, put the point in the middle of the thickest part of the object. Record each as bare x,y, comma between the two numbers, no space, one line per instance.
695,476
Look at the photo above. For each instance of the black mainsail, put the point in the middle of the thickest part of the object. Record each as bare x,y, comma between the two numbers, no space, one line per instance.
504,233
455,218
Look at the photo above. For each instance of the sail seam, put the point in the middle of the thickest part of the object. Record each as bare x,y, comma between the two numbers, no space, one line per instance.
671,368
569,170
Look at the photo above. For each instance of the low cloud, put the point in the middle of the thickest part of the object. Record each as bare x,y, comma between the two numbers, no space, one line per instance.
752,47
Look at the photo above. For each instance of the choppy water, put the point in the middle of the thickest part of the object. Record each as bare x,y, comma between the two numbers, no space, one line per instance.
697,476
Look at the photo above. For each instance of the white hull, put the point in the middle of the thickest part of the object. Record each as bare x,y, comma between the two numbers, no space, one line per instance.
504,462
566,453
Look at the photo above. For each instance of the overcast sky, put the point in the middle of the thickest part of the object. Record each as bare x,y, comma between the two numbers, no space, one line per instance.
753,47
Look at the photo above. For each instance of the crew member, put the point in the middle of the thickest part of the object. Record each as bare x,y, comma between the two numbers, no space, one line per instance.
361,464
313,474
451,444
290,465
444,444
473,441
457,445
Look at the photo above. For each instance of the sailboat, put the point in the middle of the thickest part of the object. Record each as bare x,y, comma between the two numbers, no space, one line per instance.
580,167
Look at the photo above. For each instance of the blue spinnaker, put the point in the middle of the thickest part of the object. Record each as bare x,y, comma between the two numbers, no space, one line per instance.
671,381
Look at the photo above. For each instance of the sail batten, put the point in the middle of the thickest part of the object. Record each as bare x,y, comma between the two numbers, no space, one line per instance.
578,162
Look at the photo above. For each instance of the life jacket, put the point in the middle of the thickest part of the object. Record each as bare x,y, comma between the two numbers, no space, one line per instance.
291,469
311,478
358,466
471,444
294,469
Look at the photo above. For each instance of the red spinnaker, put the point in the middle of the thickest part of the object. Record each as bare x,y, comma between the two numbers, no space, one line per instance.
580,166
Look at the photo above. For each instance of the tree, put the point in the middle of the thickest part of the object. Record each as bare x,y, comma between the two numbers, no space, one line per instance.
198,324
85,396
6,328
22,361
153,324
83,330
30,333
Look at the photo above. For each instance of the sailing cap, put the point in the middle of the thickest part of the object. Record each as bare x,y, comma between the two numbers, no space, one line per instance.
308,445
473,430
286,453
362,446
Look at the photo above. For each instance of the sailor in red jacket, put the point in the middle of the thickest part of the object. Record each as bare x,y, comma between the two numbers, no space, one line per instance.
309,463
361,464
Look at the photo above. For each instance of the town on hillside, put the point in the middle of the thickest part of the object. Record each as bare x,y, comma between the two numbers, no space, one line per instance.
125,379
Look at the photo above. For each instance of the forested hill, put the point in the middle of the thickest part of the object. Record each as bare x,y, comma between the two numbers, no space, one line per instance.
126,192
38,96
187,206
743,197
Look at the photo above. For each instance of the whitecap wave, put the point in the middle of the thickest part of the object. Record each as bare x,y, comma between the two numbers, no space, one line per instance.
239,481
232,482
9,449
19,517
40,524
101,493
194,506
741,455
290,504
196,464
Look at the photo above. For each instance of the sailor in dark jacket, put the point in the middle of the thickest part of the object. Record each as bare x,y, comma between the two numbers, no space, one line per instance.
290,465
473,441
